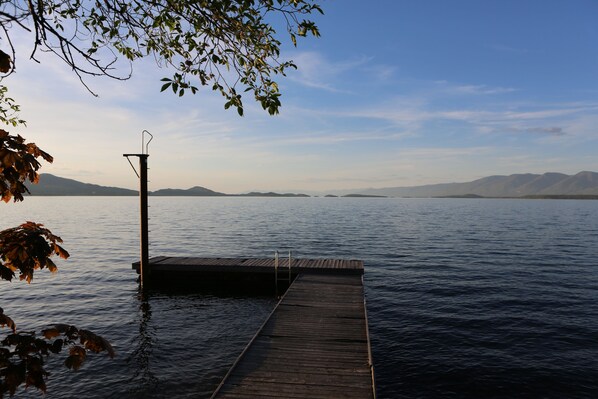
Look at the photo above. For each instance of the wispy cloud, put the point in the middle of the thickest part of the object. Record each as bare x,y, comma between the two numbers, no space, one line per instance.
381,73
448,88
316,71
444,153
337,138
483,89
545,113
549,131
546,121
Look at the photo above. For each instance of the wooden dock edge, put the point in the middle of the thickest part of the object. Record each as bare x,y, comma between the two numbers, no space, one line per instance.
367,334
240,357
256,335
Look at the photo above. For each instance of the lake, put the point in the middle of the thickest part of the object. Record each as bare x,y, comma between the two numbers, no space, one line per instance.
466,298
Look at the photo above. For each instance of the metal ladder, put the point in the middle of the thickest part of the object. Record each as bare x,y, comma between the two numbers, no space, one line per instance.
282,277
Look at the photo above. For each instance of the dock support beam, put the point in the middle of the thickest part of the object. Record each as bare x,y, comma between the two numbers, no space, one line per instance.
144,230
144,234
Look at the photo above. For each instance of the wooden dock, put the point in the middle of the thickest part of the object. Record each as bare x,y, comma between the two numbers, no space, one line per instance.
171,264
239,275
315,343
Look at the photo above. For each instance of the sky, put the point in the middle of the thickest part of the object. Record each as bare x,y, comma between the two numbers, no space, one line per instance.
393,93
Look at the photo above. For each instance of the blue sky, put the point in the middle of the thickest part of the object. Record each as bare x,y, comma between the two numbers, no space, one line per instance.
394,93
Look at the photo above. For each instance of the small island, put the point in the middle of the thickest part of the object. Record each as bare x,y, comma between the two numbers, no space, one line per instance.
364,196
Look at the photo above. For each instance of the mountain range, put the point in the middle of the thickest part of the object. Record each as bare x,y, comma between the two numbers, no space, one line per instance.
517,185
51,185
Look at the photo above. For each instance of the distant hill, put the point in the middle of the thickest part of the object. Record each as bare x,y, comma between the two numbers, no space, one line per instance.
270,194
363,196
528,185
196,191
54,185
518,185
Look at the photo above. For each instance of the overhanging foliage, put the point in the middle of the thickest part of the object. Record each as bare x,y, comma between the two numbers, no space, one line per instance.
215,43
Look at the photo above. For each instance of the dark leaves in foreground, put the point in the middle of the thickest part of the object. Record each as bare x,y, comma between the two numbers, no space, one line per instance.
22,354
27,248
7,321
18,163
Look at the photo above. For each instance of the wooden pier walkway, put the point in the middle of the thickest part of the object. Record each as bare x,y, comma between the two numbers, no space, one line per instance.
171,264
315,343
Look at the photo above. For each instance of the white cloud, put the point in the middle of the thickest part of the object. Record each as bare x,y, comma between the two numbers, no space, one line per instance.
381,73
483,89
331,137
549,131
544,114
546,121
317,71
443,87
443,153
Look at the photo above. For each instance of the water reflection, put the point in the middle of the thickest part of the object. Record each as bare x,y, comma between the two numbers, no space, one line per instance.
140,357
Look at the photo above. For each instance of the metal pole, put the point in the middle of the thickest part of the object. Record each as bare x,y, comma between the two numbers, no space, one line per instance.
144,263
144,235
144,270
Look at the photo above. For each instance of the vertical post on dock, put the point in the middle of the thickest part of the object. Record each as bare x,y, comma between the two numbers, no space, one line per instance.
144,233
144,228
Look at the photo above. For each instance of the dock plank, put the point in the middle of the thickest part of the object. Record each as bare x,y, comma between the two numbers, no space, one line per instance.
314,345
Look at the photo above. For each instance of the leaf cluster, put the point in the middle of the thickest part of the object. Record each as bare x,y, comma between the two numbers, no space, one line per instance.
216,43
22,354
27,248
18,163
8,108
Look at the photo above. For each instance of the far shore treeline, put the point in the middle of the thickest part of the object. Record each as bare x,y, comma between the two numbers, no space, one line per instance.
583,185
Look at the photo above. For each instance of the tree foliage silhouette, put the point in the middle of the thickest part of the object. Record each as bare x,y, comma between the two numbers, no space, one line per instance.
216,43
24,249
228,46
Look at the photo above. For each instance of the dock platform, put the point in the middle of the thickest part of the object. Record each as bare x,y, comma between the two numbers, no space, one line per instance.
314,344
240,275
170,264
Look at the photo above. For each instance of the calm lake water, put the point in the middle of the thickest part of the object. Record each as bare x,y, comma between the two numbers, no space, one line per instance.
466,298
